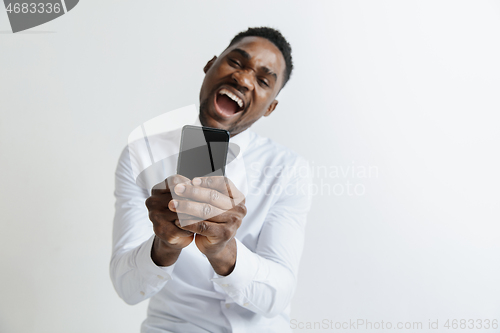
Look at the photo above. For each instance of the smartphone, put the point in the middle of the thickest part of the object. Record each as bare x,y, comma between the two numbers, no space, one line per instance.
203,152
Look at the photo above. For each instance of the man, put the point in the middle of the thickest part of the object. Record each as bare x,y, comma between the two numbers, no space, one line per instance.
236,269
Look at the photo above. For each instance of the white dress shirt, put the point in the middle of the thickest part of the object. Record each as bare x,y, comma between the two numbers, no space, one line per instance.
189,296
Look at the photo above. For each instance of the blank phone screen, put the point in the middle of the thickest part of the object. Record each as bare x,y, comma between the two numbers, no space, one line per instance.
203,152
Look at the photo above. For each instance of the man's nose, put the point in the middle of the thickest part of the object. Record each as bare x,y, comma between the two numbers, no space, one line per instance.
243,79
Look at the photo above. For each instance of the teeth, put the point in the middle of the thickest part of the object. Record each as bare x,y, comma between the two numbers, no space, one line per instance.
232,96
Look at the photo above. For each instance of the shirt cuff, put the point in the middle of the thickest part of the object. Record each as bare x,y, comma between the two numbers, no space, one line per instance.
152,273
244,273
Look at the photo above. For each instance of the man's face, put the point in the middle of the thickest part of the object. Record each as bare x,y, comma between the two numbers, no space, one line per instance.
241,85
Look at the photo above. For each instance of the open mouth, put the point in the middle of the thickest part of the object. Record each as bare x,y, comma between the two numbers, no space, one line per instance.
227,103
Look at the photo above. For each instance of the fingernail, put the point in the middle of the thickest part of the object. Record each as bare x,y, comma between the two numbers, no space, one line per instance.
196,181
180,188
175,203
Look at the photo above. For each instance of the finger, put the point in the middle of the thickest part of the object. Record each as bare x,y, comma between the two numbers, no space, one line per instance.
181,232
158,204
168,184
198,209
158,201
220,183
170,230
161,216
181,223
204,228
202,194
219,219
233,216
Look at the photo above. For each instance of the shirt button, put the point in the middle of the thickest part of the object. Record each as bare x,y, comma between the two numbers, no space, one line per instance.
160,277
142,293
228,306
225,285
246,304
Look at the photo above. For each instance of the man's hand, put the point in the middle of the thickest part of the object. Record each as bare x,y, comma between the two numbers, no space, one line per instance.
217,209
169,239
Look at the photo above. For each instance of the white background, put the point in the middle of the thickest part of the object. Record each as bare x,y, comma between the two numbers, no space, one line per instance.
408,87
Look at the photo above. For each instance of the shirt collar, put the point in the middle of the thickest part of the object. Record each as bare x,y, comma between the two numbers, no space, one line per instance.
242,140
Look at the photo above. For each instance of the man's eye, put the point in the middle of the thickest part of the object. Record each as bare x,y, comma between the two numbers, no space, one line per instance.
234,62
264,82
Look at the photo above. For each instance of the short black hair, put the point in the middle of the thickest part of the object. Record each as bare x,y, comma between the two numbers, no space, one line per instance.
276,38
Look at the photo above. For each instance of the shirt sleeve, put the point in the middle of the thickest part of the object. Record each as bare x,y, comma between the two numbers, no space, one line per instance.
264,281
134,275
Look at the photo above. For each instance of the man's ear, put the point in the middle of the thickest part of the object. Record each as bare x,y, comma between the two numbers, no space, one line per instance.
271,108
209,64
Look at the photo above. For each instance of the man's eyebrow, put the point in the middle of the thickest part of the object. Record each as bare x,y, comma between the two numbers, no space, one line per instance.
243,53
248,57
